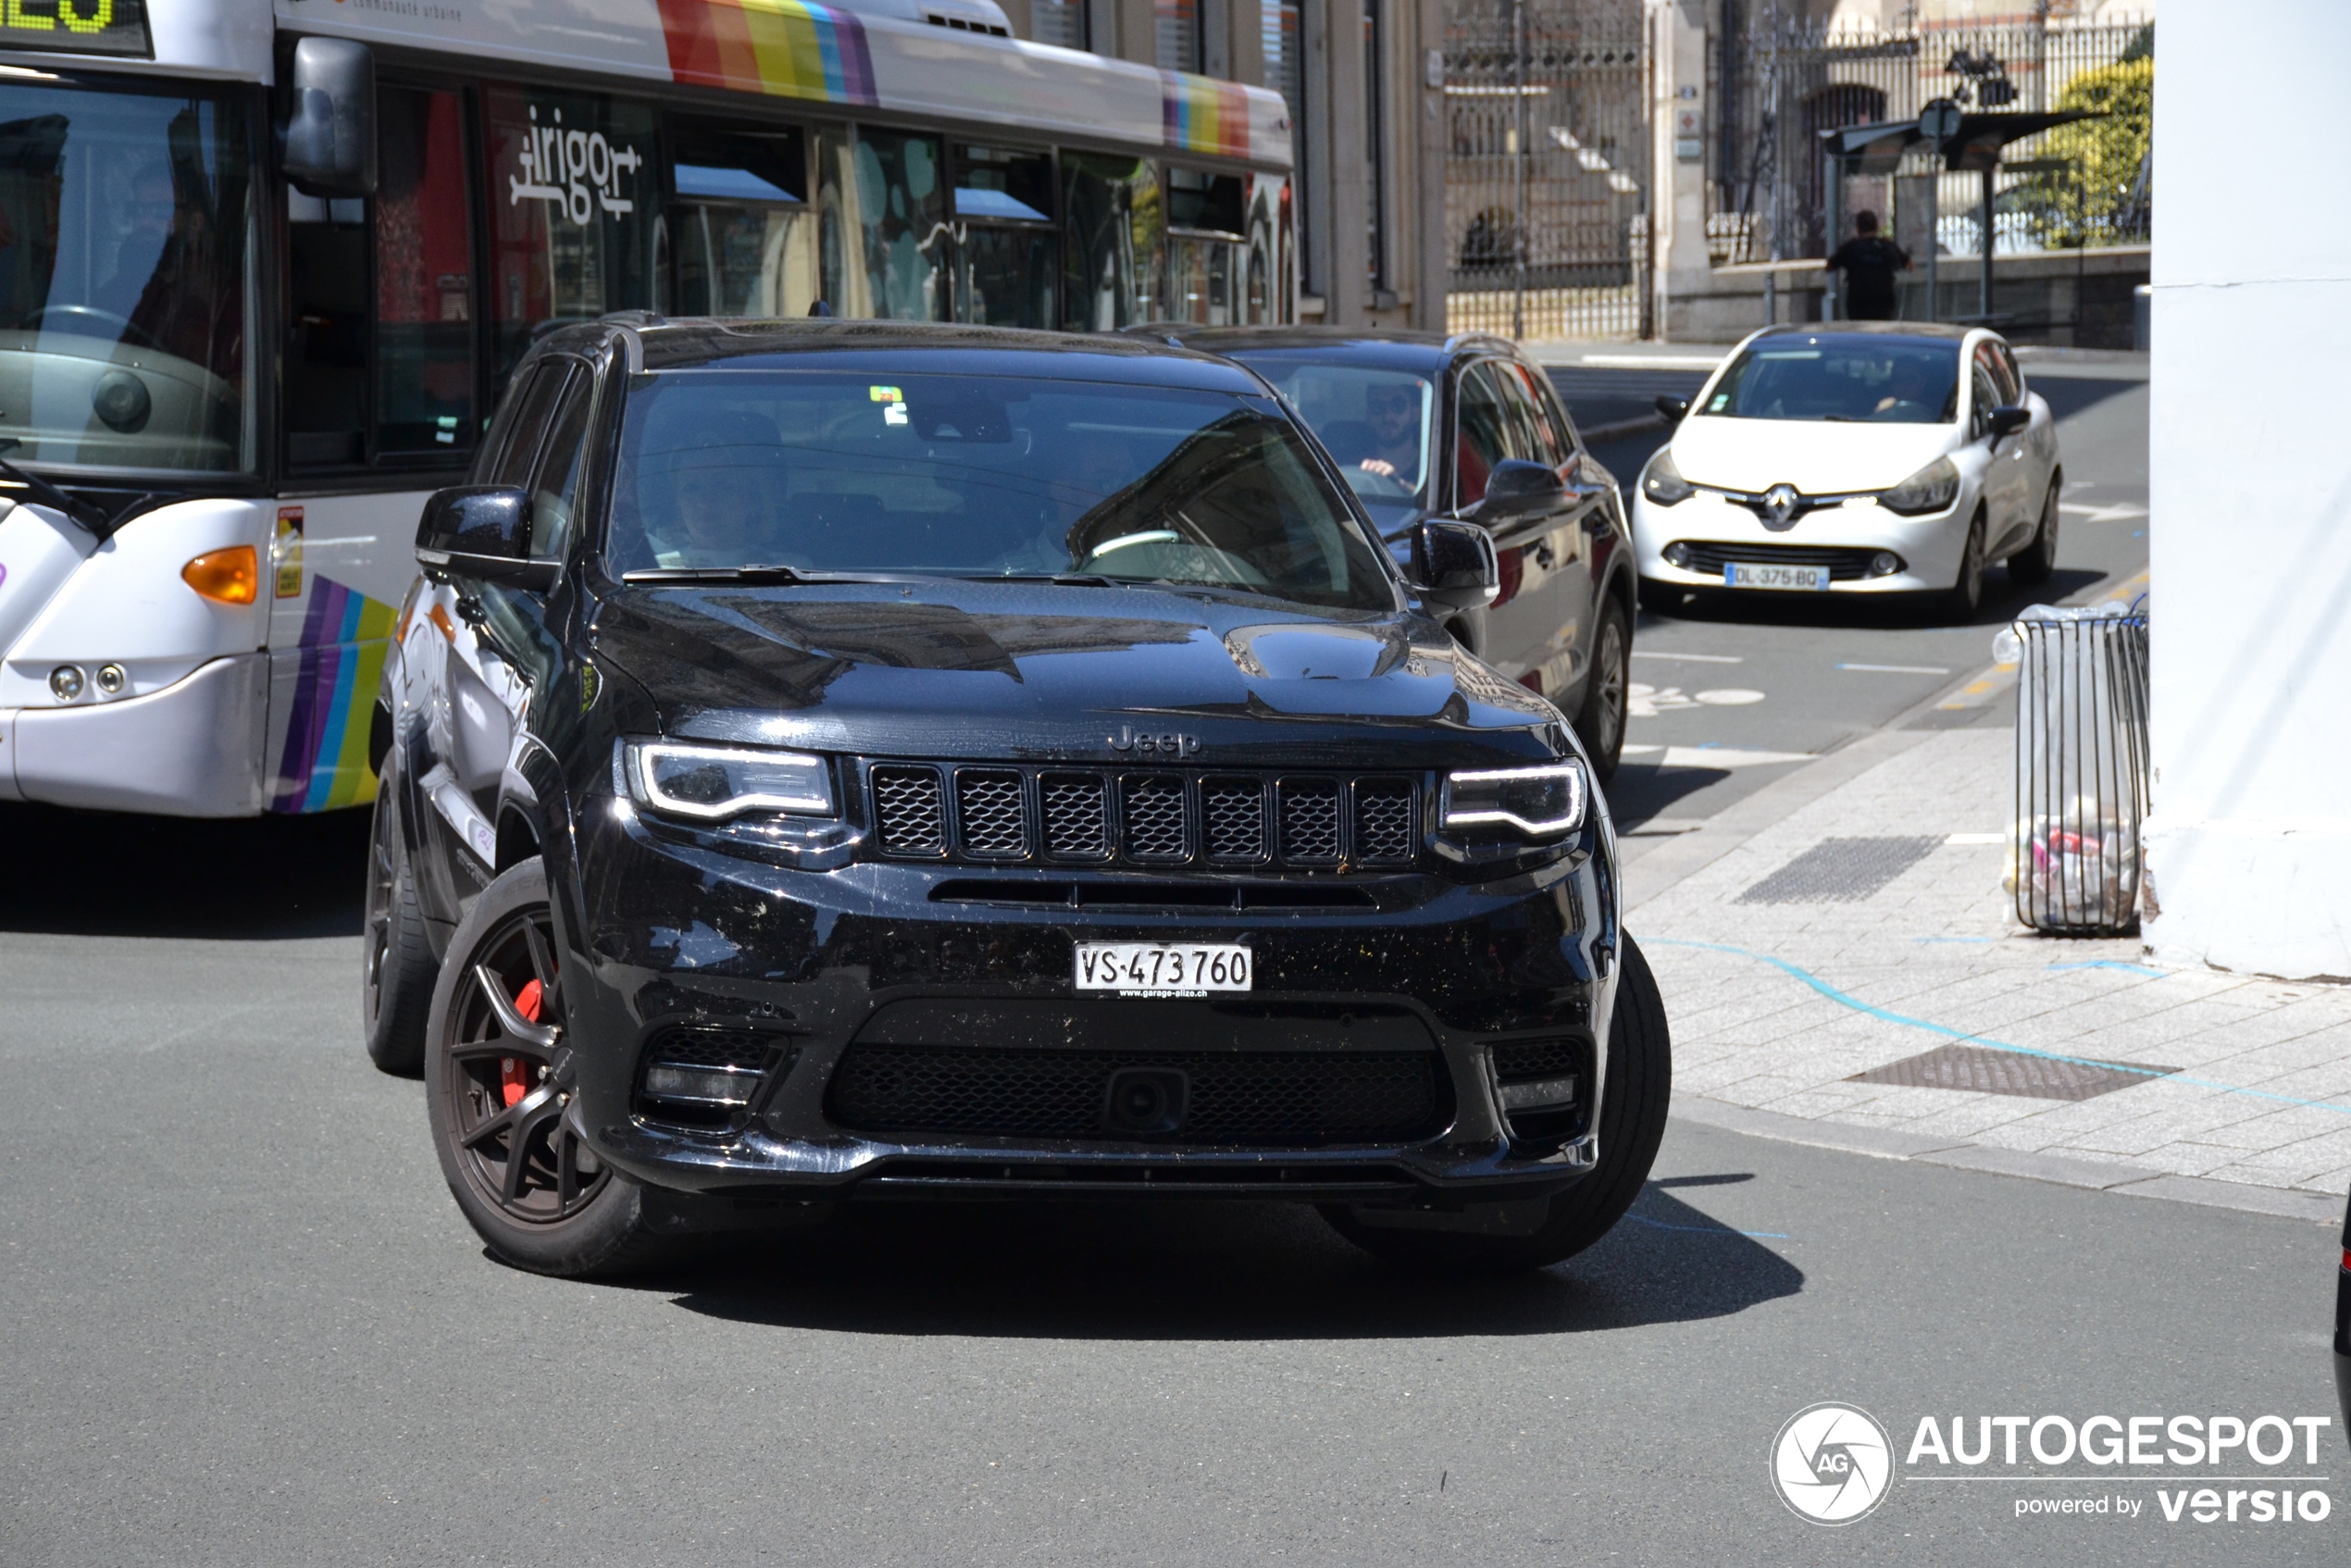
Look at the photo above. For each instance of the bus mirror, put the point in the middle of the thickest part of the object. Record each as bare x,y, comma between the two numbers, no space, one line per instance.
328,146
482,532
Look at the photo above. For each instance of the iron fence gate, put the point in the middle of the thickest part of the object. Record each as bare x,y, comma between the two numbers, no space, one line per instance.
1787,78
1546,187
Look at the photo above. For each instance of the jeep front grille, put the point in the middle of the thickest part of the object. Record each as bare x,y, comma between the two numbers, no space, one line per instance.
998,815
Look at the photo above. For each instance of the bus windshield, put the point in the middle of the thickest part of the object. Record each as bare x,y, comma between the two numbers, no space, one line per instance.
124,253
972,475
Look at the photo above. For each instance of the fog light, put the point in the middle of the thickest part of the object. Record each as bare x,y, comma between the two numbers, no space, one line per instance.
1541,1093
65,682
1677,555
727,1086
112,678
1885,562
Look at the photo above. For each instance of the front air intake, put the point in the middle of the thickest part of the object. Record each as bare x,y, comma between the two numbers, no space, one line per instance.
707,1077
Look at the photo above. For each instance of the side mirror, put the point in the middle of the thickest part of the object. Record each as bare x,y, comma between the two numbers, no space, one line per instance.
2008,419
328,145
1519,488
482,532
1454,564
1674,408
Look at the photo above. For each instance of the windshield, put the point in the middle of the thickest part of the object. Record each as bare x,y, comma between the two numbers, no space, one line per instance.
1881,380
1375,423
123,251
981,477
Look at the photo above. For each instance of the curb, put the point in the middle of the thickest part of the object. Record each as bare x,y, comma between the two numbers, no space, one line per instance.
2064,1170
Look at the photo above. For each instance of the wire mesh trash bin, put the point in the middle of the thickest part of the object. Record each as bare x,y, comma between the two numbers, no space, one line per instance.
2082,767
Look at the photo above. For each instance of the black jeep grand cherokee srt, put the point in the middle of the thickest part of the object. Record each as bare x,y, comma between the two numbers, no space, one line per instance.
829,759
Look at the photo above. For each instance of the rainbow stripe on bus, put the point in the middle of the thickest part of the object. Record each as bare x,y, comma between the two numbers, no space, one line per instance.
783,49
1202,115
344,637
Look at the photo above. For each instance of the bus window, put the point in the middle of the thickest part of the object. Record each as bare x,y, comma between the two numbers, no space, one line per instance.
735,238
884,225
1205,224
424,380
1009,256
574,191
1114,221
326,368
1268,198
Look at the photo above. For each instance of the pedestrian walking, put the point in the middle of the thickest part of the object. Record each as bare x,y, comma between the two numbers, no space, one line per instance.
1869,261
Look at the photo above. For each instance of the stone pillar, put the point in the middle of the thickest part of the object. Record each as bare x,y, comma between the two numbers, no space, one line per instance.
1677,156
1335,57
1245,42
1422,107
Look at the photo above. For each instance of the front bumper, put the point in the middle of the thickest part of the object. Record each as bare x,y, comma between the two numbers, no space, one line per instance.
1929,547
193,749
668,932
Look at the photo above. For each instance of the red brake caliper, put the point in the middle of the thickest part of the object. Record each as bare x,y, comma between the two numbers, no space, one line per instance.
514,1080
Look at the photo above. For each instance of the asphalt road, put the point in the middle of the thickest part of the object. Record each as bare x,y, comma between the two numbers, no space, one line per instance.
1765,680
241,1323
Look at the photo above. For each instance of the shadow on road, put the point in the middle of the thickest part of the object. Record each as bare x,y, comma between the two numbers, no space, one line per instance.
1643,790
1211,1271
97,874
2002,600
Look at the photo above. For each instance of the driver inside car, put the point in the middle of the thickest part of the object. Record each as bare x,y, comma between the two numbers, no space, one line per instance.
1394,413
721,497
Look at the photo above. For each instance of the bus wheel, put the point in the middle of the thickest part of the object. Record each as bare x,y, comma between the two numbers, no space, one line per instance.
397,969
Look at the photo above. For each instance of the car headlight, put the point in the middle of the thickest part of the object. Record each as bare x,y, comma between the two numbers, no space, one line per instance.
1931,488
1538,802
1663,482
712,783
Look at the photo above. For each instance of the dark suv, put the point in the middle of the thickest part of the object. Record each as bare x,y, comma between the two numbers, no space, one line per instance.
833,758
1424,426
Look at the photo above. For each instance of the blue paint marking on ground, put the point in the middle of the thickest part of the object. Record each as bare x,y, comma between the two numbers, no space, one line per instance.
1842,999
1711,1229
2114,964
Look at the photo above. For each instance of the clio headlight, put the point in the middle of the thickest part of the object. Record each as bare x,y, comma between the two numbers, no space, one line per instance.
1931,488
713,783
1663,482
1531,802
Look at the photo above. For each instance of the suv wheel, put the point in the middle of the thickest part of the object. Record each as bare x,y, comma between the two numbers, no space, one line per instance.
1600,722
396,965
497,1089
1640,1081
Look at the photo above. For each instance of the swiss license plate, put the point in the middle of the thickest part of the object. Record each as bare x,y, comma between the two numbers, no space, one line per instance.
1753,574
1162,969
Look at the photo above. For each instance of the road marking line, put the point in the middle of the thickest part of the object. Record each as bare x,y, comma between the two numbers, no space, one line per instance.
1898,669
1977,839
1694,658
1651,361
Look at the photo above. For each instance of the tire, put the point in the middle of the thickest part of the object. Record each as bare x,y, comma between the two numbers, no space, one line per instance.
1640,1082
1660,598
397,969
493,1092
1965,596
1600,721
2036,561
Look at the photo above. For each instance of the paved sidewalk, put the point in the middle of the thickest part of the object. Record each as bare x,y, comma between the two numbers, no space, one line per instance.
1783,987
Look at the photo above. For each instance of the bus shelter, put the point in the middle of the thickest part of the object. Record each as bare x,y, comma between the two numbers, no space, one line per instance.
1961,142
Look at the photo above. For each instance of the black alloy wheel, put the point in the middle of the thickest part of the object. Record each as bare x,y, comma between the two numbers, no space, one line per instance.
498,1092
1639,1084
1607,693
2036,561
1966,595
397,969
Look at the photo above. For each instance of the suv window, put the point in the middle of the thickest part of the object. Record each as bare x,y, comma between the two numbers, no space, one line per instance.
556,497
1547,440
516,446
1485,437
981,477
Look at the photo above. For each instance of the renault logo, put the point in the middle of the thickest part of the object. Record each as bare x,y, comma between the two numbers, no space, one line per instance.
1779,506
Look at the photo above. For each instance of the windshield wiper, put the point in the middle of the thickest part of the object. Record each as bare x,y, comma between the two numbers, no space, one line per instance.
1060,579
755,576
100,527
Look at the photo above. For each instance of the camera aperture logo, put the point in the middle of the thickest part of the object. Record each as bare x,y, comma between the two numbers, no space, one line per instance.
1833,1463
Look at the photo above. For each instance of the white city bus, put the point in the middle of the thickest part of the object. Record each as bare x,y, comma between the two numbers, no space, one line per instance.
263,271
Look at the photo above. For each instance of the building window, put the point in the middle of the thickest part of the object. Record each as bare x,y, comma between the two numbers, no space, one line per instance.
1178,34
1060,22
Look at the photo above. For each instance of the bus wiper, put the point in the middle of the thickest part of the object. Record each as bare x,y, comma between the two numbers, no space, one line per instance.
101,527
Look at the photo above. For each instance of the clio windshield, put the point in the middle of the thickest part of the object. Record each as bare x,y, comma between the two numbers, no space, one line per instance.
124,256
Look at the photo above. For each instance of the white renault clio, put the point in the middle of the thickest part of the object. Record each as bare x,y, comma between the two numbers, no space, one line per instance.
1852,457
